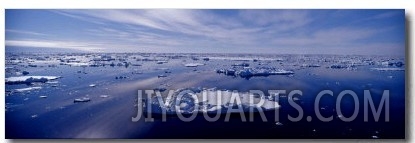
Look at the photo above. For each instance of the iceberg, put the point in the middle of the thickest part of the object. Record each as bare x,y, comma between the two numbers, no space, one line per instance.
29,79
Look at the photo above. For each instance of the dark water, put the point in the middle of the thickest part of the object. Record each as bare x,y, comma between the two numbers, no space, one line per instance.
28,116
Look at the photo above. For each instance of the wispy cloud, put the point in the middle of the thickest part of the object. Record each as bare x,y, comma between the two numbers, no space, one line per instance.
280,20
386,15
55,44
188,22
215,30
25,32
336,37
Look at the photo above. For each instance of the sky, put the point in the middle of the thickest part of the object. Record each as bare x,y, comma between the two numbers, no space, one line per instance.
269,31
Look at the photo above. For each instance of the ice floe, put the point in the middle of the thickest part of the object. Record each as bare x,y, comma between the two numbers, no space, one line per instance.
388,69
193,64
209,100
241,64
28,89
29,79
104,96
52,82
83,99
78,64
161,62
248,72
279,124
310,65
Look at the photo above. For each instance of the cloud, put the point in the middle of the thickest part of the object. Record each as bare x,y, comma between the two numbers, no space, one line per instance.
386,15
282,19
187,22
328,37
176,30
54,44
25,32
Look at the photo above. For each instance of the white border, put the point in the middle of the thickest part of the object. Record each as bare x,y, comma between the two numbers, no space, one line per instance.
408,5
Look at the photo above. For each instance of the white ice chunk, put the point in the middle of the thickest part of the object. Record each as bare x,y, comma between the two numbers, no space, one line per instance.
52,82
84,99
193,64
78,64
29,79
161,62
388,69
104,96
213,99
268,105
27,89
214,108
34,116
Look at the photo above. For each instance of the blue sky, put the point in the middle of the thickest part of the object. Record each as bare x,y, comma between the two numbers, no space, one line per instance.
374,32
